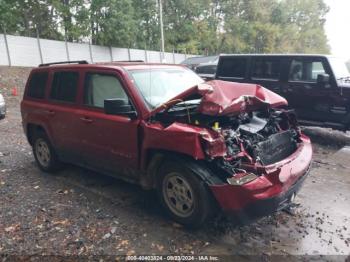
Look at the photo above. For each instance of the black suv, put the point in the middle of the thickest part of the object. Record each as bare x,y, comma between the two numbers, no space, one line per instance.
316,86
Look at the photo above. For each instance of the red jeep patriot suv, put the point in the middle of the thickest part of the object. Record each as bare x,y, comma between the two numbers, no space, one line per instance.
200,145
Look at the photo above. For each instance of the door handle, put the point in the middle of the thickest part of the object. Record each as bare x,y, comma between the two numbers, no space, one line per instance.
86,119
50,112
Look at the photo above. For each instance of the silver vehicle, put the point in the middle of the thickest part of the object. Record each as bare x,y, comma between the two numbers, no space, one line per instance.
2,107
193,62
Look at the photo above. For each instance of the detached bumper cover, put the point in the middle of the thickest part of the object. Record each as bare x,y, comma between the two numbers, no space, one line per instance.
268,193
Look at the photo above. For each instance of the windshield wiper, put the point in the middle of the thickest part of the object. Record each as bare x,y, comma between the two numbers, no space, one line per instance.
187,103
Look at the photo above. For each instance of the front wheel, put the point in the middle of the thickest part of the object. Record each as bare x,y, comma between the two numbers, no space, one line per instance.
184,196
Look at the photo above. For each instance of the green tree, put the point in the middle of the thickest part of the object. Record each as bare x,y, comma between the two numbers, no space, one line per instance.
8,16
147,22
179,24
192,26
72,17
29,18
267,26
305,20
113,23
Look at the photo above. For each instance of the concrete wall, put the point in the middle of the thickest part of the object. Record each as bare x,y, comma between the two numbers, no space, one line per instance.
28,51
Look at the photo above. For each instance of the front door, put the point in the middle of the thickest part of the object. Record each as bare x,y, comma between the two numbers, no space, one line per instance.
312,101
109,142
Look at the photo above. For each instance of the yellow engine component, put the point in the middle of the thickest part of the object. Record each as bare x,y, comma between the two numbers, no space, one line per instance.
216,126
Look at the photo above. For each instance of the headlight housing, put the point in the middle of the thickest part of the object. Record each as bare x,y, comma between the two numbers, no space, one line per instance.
241,179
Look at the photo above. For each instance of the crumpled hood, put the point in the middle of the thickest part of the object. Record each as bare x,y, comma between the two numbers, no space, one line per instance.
229,98
225,98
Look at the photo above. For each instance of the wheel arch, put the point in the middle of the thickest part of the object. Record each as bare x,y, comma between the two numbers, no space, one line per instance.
32,129
155,158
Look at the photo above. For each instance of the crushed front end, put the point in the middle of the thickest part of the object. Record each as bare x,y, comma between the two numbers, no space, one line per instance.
257,150
266,162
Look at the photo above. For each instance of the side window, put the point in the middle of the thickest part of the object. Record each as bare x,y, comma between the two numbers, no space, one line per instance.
233,67
99,87
316,69
266,68
305,70
37,84
64,86
208,69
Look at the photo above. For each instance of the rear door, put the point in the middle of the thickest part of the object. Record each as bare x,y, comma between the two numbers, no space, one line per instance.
267,71
34,103
109,142
61,111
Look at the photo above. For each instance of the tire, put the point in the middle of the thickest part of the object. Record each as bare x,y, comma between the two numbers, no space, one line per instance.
183,195
44,153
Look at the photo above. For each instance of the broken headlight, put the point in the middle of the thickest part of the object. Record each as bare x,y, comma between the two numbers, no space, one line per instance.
241,179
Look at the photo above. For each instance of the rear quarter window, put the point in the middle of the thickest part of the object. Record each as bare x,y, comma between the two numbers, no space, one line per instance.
64,86
235,67
37,85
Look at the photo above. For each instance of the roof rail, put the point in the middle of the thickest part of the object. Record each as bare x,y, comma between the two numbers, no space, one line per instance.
137,61
65,62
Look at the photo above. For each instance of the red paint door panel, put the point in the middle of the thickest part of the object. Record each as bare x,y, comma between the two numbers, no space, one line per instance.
60,113
108,142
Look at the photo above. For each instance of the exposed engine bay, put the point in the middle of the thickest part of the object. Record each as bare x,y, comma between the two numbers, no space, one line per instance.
257,138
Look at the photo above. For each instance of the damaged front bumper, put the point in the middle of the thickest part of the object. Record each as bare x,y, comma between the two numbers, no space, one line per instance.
267,193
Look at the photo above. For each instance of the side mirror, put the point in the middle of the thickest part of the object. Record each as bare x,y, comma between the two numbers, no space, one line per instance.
117,106
323,79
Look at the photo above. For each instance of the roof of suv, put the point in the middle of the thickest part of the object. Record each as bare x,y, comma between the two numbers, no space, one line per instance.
287,55
138,65
123,64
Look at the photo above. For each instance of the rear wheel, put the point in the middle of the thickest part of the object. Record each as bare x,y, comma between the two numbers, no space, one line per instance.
184,196
44,153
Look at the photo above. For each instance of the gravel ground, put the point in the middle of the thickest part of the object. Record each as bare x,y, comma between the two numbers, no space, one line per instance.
79,212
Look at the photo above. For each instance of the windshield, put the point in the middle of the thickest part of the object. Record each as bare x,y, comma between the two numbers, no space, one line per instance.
158,86
339,67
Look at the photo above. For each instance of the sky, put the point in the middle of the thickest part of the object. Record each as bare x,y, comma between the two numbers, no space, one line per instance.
337,27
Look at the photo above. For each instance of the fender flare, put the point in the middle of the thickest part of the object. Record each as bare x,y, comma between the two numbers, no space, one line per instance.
197,167
36,126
